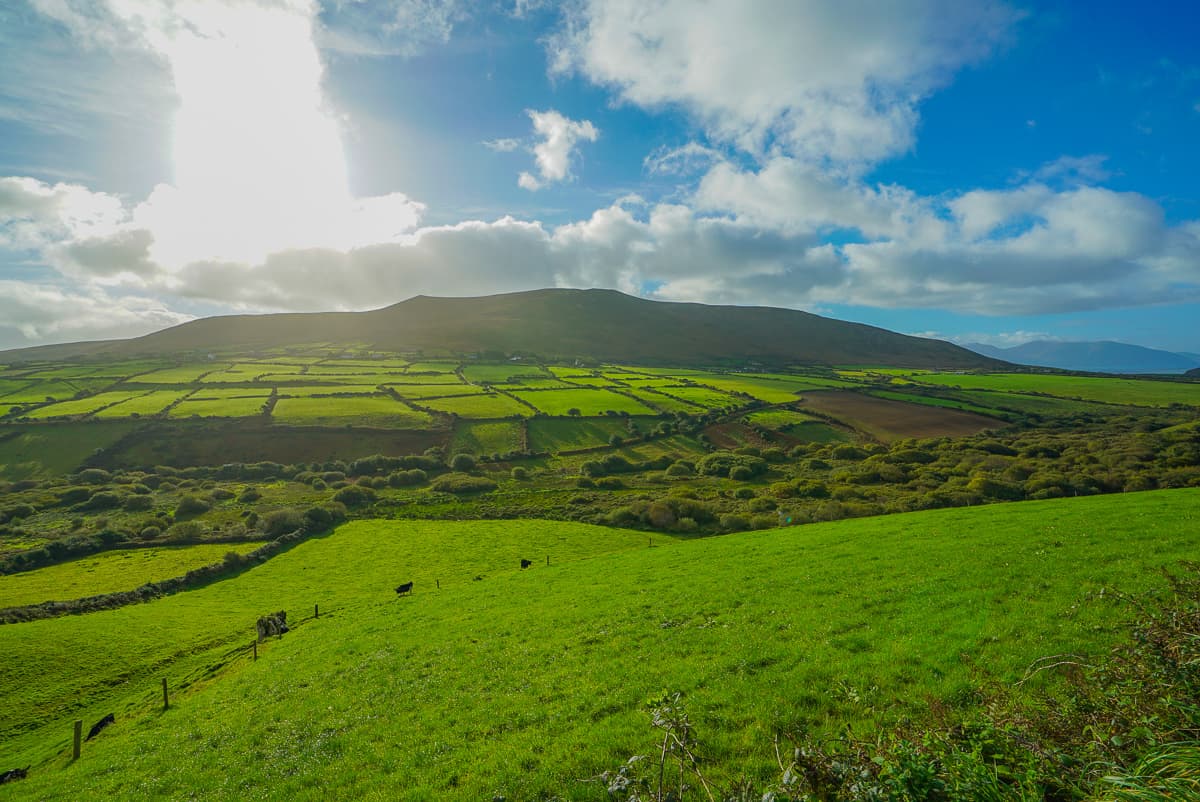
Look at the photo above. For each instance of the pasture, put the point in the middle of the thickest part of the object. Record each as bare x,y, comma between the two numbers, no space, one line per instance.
889,420
219,408
551,435
381,411
150,403
586,402
35,451
499,437
110,572
847,625
490,405
704,397
1133,392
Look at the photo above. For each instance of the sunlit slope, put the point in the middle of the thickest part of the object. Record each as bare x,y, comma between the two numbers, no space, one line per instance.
565,323
529,683
59,669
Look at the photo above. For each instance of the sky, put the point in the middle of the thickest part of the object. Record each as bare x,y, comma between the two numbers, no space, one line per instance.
973,170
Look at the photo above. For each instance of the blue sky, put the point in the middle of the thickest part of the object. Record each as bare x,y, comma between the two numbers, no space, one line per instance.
967,169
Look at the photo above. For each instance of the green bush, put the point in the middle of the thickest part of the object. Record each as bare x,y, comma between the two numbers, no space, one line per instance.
462,483
415,476
190,506
355,496
519,473
281,522
138,503
462,463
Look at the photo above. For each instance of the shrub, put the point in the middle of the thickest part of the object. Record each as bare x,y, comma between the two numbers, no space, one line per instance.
249,495
743,493
221,494
681,468
149,533
94,476
138,503
740,473
462,483
609,483
74,495
191,506
519,473
354,496
104,500
762,504
734,523
185,530
281,522
414,476
462,462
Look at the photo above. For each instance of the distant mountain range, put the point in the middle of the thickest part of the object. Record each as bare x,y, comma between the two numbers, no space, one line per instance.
1098,357
555,324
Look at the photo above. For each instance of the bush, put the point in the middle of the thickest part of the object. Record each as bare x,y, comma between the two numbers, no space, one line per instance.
415,476
354,496
740,473
190,506
138,503
462,483
609,483
734,523
722,463
281,522
681,468
462,462
185,530
150,533
221,494
249,495
743,493
94,476
104,500
74,495
519,473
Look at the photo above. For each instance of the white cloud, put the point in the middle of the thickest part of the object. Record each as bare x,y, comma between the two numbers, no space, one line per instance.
34,214
1073,170
396,27
31,314
684,160
553,154
830,82
502,145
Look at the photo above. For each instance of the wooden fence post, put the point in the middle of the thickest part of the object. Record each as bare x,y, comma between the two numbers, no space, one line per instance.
316,611
78,739
255,645
547,559
166,699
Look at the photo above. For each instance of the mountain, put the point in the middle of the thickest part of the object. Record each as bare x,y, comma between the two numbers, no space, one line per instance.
560,323
1097,357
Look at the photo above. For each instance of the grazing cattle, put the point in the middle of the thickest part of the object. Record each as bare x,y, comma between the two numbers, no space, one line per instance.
273,624
13,774
406,588
99,726
525,564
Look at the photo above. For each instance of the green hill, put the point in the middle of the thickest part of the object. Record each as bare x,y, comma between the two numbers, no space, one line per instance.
560,324
527,684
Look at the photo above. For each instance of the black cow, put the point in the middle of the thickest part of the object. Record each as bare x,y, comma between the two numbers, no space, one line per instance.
406,588
100,725
12,775
525,564
273,624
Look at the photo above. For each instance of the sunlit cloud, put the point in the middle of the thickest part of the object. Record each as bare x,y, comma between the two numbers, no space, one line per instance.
559,138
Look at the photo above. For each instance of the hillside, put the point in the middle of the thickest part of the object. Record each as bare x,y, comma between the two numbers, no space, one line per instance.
1096,357
561,324
527,683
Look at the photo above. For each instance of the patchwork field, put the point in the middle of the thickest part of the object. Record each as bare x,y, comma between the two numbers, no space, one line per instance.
585,402
32,451
359,411
491,405
499,437
219,408
889,420
83,406
150,403
1135,392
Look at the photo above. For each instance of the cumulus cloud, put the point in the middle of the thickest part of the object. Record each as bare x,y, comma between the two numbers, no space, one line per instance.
835,83
31,314
553,154
684,160
507,145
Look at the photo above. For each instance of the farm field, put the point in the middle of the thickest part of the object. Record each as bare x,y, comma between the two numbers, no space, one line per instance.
566,654
500,437
360,411
587,402
33,451
110,572
150,403
501,373
39,392
772,390
309,390
490,405
436,390
704,397
182,374
889,420
551,435
82,406
660,400
1134,392
219,408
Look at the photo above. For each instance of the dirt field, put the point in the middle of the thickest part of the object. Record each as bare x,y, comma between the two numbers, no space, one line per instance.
888,420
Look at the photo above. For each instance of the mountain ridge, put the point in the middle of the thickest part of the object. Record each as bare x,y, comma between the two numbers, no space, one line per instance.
1100,356
598,324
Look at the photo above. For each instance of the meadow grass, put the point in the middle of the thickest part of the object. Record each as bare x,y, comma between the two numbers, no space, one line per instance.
490,405
37,451
552,435
183,374
709,399
250,391
308,390
150,403
587,401
771,390
492,437
500,373
529,683
777,418
40,391
432,367
219,408
435,390
664,402
82,406
110,572
364,411
541,384
1134,392
934,401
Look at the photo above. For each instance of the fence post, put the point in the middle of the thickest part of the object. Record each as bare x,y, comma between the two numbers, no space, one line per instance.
255,645
166,699
547,559
316,611
78,739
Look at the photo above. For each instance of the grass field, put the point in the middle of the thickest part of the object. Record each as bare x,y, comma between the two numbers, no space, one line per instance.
492,405
308,390
933,401
830,625
709,399
564,434
588,402
219,408
889,420
436,390
1135,392
34,451
182,374
209,393
501,373
39,392
111,572
777,418
150,403
82,406
498,437
665,402
773,391
359,411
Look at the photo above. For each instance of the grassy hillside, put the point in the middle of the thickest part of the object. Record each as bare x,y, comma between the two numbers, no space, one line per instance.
528,683
562,323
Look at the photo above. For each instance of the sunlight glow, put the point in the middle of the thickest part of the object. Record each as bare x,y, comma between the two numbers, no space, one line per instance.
259,165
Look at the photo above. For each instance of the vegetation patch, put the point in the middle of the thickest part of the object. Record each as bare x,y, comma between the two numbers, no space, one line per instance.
219,408
150,403
32,451
359,411
704,397
490,405
1135,392
111,571
493,437
888,420
582,402
506,372
436,390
